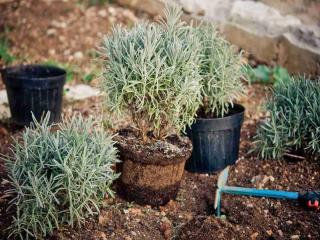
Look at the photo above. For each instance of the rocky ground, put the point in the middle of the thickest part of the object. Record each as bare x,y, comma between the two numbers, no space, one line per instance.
68,33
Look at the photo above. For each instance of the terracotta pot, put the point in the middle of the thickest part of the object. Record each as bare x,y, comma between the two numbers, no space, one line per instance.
151,173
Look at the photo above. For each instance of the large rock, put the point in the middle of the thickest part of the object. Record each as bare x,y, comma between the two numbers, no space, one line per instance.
299,51
261,19
276,32
274,38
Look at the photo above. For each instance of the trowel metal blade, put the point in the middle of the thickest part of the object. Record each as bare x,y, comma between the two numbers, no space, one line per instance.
223,177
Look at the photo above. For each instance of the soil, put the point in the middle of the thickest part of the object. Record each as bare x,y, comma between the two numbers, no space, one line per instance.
67,33
74,29
190,215
160,152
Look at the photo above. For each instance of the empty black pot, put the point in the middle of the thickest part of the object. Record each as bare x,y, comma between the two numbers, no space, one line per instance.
215,141
34,88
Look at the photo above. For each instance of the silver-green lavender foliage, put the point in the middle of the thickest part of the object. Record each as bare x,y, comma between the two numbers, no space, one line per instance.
151,71
221,71
59,177
294,122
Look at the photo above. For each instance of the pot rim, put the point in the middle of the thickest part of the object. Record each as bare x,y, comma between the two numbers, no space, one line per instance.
9,70
218,124
240,112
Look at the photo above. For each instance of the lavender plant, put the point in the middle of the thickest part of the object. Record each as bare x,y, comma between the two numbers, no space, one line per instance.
151,72
221,72
59,177
294,122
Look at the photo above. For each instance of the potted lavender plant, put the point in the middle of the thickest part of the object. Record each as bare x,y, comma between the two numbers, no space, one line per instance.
216,132
151,74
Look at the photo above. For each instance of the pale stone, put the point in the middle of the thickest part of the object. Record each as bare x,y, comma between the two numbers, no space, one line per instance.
80,92
3,97
130,15
74,93
280,233
58,24
78,55
295,237
254,235
102,13
261,19
4,111
249,41
51,31
112,11
52,51
214,10
194,7
297,59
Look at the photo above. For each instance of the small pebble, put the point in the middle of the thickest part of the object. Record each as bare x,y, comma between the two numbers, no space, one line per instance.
269,232
102,13
295,237
78,55
280,233
250,205
51,31
254,236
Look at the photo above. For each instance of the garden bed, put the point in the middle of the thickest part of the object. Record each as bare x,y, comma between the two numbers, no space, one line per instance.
190,216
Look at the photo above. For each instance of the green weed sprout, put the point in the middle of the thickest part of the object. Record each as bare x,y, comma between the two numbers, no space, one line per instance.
5,56
266,75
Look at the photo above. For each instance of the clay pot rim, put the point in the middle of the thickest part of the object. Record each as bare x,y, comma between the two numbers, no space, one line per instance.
145,156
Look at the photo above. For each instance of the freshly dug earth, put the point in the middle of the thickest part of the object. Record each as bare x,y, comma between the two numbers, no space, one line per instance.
190,216
151,172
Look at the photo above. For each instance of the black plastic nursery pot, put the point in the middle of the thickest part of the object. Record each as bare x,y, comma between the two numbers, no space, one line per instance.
34,88
215,141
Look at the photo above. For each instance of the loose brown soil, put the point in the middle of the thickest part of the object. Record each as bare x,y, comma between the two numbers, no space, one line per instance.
160,152
190,216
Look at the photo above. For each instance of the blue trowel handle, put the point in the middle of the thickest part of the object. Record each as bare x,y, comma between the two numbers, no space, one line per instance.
259,192
309,199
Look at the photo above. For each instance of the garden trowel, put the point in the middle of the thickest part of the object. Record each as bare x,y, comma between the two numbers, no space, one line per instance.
309,199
